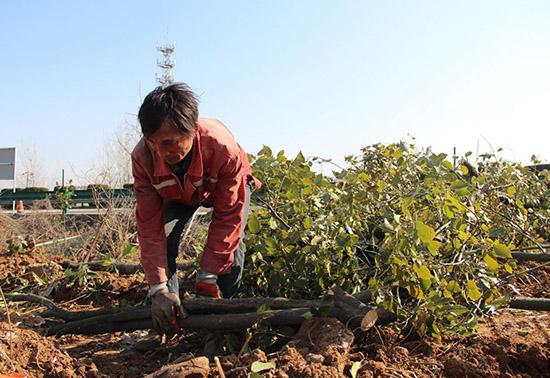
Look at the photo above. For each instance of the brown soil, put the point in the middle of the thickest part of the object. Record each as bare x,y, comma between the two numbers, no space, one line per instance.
511,343
21,263
536,283
25,351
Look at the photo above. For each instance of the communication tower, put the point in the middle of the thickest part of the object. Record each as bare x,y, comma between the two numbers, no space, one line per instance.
167,64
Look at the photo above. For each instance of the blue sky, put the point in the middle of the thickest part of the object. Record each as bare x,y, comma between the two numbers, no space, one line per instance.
324,77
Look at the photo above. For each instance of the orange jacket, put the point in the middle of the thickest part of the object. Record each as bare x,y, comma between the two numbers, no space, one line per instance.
216,177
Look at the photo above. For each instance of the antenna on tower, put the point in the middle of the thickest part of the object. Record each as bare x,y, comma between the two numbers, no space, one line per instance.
167,64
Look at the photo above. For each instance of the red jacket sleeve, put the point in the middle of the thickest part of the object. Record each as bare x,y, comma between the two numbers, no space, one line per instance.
150,226
225,229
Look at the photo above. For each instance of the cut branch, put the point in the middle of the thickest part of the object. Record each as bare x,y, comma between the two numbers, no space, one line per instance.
536,304
344,306
531,256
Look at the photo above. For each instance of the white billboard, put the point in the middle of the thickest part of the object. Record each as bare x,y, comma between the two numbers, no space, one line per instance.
7,163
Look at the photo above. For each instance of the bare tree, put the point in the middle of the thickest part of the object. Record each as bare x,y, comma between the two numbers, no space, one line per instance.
31,172
115,165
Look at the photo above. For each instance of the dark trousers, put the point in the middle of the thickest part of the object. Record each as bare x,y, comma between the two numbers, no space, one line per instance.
176,217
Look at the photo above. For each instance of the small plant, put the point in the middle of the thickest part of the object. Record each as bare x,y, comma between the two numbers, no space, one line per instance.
110,261
85,280
17,244
64,196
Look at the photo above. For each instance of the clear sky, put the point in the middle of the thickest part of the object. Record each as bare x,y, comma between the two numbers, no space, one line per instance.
324,77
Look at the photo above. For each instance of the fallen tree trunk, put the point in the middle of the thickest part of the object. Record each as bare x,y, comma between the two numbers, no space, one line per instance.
531,256
525,303
347,308
135,320
131,319
192,305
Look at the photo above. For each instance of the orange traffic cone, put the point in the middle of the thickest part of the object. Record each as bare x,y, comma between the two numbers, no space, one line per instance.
20,207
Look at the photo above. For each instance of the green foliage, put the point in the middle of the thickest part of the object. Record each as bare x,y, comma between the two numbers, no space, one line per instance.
17,244
85,280
428,237
110,260
300,241
64,197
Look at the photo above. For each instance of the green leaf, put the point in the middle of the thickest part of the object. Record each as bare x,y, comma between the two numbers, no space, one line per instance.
258,366
300,158
425,232
508,268
492,264
433,246
458,310
473,291
422,272
502,250
460,187
253,224
447,164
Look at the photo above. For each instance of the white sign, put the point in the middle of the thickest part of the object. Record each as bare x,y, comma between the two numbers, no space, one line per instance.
7,163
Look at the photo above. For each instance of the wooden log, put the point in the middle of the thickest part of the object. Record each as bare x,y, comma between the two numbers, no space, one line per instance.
142,320
192,305
536,304
531,256
343,305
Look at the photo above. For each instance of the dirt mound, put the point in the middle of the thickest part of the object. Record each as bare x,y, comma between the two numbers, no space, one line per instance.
21,263
25,351
510,343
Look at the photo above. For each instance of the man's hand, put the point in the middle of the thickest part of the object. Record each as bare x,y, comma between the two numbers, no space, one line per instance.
165,309
206,285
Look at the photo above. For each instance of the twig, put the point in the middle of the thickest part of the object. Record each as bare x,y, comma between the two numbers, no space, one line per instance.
247,339
96,238
9,322
274,213
530,247
219,367
527,270
520,229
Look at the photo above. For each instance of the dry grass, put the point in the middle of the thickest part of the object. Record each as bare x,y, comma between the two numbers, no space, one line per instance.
107,235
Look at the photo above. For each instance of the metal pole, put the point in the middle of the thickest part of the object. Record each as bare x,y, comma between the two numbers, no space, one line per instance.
14,178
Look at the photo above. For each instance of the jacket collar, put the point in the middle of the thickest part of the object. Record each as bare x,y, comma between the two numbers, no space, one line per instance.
161,168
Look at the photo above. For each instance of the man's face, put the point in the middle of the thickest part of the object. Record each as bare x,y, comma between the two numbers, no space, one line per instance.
170,143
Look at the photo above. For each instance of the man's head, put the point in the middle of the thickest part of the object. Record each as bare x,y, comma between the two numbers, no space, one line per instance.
168,119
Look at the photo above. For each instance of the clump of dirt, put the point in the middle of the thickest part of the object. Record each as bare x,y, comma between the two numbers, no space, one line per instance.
25,351
17,264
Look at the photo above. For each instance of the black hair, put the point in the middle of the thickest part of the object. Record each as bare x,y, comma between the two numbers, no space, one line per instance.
175,103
